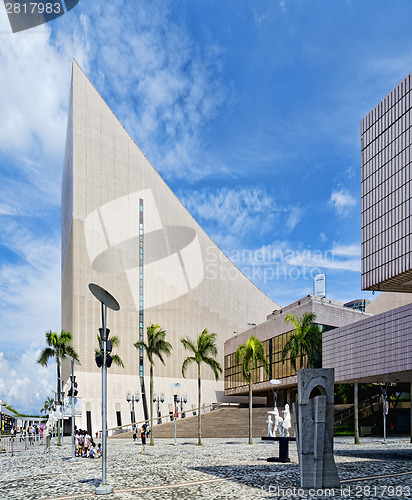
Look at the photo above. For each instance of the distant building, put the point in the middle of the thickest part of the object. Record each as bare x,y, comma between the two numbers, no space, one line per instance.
274,333
359,304
319,285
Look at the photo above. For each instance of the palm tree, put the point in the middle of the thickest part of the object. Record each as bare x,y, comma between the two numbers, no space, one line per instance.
204,351
48,405
156,346
114,339
251,355
306,339
58,348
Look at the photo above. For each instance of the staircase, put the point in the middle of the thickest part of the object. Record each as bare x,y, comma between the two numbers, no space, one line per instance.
226,422
365,409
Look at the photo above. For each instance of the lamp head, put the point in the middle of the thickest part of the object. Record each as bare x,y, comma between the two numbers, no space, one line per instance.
101,332
99,360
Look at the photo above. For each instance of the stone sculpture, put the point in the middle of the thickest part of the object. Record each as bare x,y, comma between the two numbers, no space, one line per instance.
314,428
269,421
286,421
278,423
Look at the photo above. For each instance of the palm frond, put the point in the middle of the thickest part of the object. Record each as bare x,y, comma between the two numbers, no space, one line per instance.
214,365
117,360
156,344
45,355
186,363
188,344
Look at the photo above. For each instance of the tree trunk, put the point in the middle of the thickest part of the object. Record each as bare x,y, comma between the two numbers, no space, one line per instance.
59,443
356,406
151,405
199,418
250,409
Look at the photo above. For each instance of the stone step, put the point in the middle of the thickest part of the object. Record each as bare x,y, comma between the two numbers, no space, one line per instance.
226,422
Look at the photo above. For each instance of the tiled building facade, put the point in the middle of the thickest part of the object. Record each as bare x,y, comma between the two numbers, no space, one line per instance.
386,193
375,349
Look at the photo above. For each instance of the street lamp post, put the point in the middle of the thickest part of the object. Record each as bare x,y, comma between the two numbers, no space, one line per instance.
133,398
73,394
158,399
175,389
183,400
275,382
62,417
385,409
104,360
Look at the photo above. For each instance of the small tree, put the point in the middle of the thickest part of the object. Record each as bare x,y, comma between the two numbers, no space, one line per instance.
48,405
156,346
58,348
204,351
251,355
306,339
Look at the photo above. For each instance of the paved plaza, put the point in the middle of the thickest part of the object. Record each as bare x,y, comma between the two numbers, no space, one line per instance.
221,468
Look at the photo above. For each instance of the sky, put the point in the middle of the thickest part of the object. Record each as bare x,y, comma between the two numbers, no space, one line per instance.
250,110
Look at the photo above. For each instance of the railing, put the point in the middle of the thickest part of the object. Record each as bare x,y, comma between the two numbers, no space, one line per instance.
114,431
368,403
15,444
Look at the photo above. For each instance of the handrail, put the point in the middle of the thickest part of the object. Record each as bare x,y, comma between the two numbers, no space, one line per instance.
362,406
156,418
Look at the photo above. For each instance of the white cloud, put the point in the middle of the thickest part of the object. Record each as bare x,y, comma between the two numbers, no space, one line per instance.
285,254
231,213
173,84
29,289
353,250
295,215
238,210
34,94
342,201
24,384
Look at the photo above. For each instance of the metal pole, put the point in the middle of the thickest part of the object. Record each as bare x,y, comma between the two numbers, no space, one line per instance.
74,458
104,489
356,401
410,412
175,398
62,408
104,407
384,420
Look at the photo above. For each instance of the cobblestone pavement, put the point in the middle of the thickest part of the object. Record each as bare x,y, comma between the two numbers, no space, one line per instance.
220,469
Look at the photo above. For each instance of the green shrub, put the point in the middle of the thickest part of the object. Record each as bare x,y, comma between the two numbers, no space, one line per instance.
343,430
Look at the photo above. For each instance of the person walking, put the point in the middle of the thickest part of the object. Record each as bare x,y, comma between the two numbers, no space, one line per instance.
143,437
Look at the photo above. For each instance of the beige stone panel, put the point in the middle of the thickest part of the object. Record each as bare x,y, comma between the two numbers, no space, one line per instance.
387,301
108,166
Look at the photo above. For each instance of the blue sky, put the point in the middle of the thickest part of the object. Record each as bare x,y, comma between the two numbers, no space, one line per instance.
250,111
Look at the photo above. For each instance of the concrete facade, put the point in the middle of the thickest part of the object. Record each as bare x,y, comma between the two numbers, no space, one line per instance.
124,229
387,301
386,193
